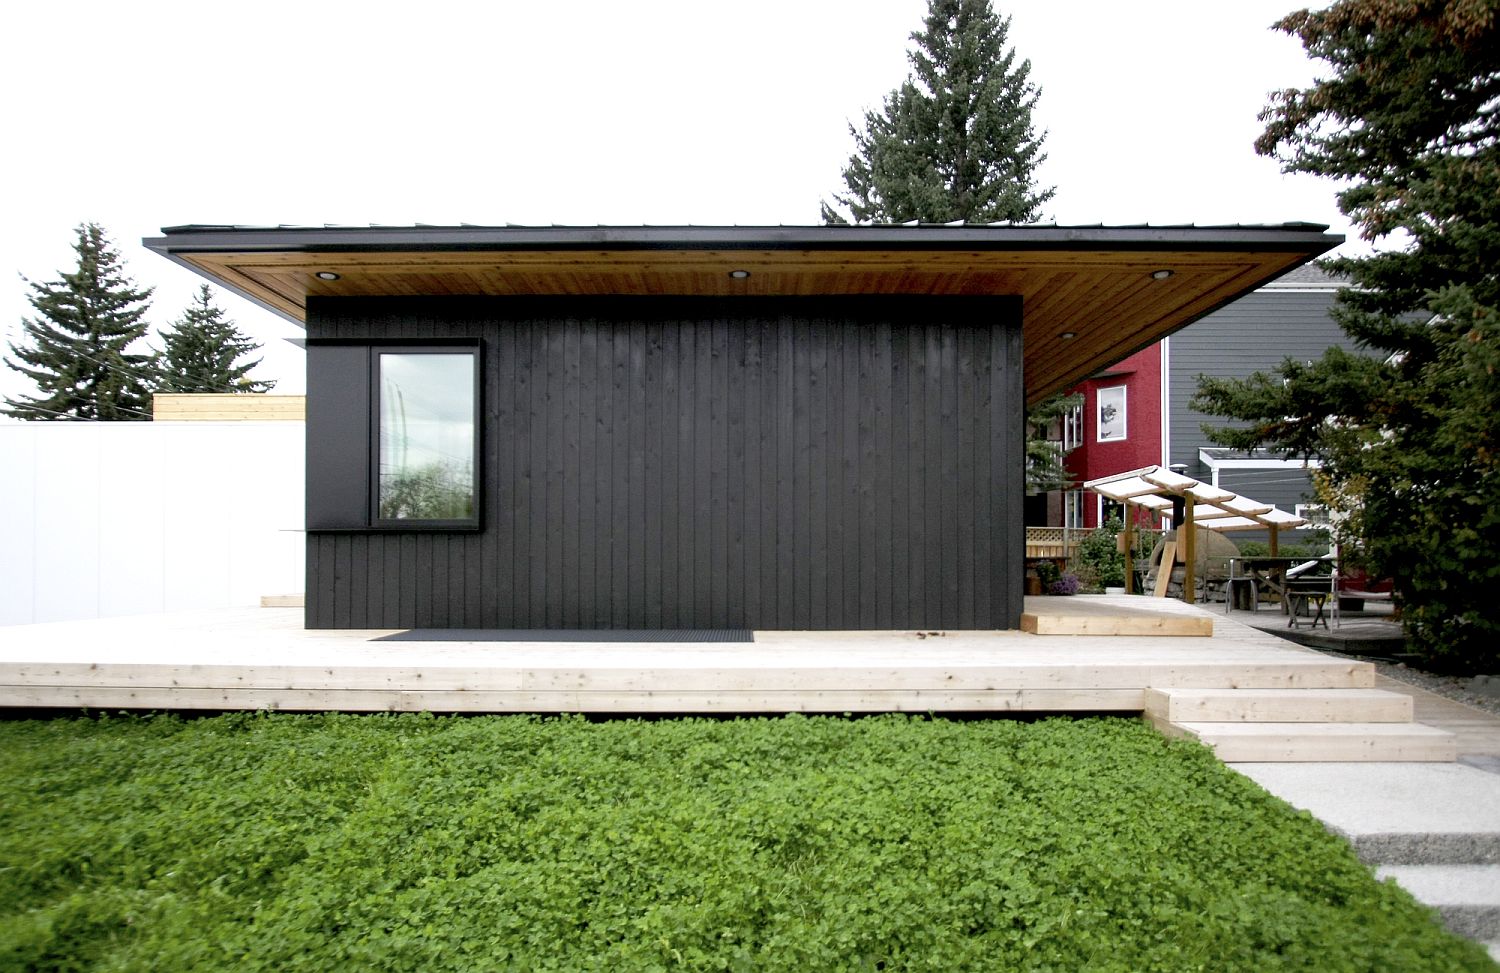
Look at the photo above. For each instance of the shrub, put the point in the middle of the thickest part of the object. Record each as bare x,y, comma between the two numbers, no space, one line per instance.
1101,561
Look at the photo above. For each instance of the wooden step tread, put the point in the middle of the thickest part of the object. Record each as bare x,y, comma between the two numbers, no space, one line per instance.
1334,742
1077,616
1279,705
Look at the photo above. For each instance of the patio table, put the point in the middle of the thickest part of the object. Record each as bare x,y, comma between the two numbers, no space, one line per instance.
1247,574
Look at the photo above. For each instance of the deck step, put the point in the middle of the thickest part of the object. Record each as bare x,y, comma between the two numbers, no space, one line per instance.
1284,742
1466,896
1279,705
1079,617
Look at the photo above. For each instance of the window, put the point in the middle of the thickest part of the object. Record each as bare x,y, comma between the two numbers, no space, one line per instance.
1073,509
1316,515
1111,418
1072,428
427,444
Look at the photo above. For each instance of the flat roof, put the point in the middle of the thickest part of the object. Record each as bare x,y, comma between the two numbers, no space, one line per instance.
1091,295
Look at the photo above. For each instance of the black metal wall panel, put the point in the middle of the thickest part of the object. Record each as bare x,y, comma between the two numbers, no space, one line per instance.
788,463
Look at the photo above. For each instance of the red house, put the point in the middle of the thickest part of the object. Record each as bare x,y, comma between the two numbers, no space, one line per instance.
1118,428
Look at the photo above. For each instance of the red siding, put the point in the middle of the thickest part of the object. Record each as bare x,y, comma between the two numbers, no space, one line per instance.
1141,376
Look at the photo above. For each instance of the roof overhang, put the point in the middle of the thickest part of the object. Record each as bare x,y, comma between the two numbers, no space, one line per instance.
1090,295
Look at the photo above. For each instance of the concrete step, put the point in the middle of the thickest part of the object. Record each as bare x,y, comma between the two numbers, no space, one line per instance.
1279,705
1335,742
1466,896
1396,814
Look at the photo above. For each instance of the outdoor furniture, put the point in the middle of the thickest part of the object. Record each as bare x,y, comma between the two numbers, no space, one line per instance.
1248,576
1305,593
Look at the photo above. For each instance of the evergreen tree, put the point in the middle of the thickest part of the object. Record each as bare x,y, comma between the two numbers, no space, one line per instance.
1045,469
955,141
1408,435
201,349
78,354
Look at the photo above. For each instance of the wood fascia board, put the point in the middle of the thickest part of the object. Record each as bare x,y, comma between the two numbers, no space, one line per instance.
1094,281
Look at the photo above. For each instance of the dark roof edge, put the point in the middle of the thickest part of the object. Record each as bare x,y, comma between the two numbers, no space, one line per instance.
209,239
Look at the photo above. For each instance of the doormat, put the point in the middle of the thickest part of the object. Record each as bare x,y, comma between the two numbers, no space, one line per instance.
570,635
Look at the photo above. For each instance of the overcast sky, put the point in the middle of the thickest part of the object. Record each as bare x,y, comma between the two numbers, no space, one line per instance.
152,114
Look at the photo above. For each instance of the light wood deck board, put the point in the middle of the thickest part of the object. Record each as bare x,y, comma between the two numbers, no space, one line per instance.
1178,704
484,701
615,678
1317,742
262,658
1087,616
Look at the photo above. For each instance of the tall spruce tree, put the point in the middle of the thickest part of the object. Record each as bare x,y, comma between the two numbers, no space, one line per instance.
955,141
78,353
1408,434
202,349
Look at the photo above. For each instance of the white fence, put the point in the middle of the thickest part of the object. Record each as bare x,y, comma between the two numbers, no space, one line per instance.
125,518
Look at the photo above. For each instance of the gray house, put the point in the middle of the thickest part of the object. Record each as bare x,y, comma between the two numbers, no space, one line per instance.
698,427
1287,317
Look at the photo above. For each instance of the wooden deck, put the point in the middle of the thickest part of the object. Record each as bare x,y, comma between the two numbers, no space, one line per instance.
261,658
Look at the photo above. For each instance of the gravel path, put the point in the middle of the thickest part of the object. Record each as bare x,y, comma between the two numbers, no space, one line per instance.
1452,687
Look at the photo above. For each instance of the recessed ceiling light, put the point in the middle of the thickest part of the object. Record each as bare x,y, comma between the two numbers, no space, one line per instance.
739,274
1068,335
327,275
1160,274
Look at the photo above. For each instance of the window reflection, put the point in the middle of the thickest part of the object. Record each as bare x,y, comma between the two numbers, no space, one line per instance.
426,436
1111,413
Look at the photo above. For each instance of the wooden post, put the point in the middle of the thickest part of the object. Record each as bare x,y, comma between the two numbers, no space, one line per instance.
1129,536
1279,573
1185,543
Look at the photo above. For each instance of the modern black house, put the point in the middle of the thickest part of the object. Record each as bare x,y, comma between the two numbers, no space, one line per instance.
698,427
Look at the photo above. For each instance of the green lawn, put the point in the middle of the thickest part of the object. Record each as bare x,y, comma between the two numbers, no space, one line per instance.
254,842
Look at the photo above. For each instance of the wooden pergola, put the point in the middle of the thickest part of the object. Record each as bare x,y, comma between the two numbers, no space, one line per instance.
1192,503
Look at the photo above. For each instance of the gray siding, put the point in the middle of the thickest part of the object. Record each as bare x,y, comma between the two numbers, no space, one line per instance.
1283,487
1255,333
683,463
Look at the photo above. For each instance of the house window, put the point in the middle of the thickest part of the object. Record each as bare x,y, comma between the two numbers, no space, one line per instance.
1072,428
1073,509
1111,418
427,444
1316,515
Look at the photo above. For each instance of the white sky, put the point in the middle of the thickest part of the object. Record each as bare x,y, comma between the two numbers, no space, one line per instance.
152,114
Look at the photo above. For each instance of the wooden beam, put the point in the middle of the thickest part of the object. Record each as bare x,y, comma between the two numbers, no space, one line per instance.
1164,571
228,407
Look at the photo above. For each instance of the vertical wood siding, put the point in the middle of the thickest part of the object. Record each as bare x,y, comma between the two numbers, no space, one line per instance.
681,463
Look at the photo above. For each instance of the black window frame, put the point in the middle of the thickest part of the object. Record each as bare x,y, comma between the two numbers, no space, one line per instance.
447,346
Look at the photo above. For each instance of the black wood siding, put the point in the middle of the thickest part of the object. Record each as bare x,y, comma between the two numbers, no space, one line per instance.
788,463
